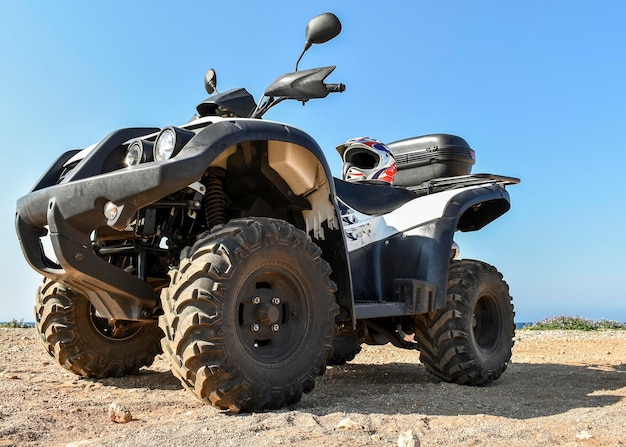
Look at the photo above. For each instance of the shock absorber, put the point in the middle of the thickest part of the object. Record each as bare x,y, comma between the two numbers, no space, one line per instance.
215,198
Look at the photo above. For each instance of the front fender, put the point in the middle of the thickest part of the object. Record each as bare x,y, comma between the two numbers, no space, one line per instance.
211,141
78,202
301,163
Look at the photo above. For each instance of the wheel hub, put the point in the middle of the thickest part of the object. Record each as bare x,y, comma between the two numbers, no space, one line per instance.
486,323
268,314
265,309
272,314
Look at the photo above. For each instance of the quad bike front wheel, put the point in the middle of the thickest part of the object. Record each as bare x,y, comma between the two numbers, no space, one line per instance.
469,341
87,344
249,316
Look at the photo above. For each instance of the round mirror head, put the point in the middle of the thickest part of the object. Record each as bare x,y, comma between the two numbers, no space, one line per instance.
322,28
210,81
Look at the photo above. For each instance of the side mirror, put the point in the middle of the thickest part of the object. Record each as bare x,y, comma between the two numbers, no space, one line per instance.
210,81
320,29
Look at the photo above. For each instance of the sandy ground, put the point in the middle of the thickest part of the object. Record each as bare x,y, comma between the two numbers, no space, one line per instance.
562,388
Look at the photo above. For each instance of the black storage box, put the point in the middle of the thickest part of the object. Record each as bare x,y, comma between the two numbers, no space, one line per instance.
423,158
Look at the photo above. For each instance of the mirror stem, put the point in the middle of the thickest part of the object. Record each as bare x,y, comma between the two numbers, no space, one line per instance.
307,45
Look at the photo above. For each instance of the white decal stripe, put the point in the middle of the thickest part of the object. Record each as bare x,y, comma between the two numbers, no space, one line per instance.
364,230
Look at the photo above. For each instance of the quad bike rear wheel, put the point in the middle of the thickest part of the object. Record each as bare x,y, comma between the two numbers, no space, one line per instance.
87,344
469,341
249,316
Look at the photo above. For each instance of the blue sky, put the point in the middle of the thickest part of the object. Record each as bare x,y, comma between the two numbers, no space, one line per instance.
537,88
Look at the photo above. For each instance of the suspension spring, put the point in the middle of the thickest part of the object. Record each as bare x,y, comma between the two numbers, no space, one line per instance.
215,198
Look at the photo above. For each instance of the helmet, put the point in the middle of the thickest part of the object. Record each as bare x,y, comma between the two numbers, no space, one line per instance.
367,160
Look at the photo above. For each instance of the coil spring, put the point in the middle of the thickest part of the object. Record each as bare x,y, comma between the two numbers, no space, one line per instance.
215,199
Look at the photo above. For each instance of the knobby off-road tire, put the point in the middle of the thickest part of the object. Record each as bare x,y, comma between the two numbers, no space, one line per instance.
83,343
345,349
469,341
249,316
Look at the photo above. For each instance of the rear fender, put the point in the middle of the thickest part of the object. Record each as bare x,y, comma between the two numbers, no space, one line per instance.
468,210
475,208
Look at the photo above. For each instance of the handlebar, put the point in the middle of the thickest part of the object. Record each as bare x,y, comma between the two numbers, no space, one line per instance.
335,88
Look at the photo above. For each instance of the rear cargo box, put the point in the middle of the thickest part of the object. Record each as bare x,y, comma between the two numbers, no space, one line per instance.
423,158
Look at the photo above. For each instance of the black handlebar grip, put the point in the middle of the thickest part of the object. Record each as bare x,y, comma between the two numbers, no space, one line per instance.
335,88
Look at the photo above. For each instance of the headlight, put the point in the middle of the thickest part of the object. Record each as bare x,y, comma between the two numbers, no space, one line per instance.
134,154
169,142
165,143
138,152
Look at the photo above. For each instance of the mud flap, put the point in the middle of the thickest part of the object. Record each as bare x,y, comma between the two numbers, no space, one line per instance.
417,296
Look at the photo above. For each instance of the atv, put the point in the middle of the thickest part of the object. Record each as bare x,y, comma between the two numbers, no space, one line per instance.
227,244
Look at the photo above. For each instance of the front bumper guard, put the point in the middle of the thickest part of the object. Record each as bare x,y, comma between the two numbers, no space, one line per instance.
113,292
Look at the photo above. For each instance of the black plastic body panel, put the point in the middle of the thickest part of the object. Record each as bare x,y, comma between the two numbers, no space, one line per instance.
422,259
431,156
95,162
237,101
301,85
52,174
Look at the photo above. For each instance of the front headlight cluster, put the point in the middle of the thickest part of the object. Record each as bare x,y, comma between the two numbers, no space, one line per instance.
167,144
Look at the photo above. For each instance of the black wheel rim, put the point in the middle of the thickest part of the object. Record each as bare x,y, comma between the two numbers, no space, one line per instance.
486,323
273,314
118,331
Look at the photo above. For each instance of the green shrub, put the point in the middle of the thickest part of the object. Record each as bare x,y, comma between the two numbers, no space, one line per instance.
575,323
14,324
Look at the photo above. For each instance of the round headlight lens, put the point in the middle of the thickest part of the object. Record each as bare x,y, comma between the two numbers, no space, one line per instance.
170,142
134,154
165,144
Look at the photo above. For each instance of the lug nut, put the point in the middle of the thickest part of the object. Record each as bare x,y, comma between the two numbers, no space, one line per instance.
256,300
275,327
276,300
254,327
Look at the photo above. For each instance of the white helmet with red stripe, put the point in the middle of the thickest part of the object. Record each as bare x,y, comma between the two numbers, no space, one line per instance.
367,160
